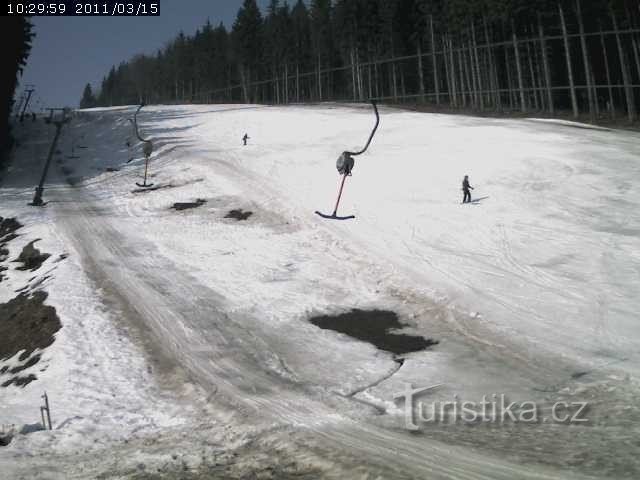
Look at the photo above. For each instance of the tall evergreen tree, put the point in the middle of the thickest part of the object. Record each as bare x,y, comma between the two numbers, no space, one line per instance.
88,100
17,45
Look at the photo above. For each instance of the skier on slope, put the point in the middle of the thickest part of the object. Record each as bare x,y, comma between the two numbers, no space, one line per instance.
466,189
245,138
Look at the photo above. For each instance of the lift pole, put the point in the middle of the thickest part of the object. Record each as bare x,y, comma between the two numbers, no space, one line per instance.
37,198
29,92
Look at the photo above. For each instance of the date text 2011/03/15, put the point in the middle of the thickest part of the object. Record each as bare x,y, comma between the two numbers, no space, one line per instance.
79,8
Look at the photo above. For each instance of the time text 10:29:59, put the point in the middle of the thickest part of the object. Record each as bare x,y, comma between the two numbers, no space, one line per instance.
104,8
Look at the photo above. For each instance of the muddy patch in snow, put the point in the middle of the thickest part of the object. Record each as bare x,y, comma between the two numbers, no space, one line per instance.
188,205
31,258
27,326
8,229
374,327
8,226
238,214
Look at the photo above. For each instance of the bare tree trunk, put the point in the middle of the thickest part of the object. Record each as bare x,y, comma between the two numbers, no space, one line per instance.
297,83
523,103
286,83
572,86
243,81
469,77
453,72
492,78
472,72
596,102
631,107
359,72
377,79
319,77
276,85
532,72
478,70
463,87
636,53
545,64
435,61
395,80
585,59
446,71
353,75
612,105
420,71
634,41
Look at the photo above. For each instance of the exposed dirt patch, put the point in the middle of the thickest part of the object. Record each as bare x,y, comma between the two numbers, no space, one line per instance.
5,439
238,214
7,226
112,169
31,258
374,327
187,205
20,381
26,323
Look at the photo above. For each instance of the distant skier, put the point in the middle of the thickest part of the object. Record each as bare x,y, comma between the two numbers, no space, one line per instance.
466,189
245,138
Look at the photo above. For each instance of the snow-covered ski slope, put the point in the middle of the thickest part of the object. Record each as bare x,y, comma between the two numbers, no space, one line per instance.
532,290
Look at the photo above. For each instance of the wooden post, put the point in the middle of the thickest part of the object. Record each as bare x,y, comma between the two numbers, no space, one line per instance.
545,64
435,61
631,107
523,103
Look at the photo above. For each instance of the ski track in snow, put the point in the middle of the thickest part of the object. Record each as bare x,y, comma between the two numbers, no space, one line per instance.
549,260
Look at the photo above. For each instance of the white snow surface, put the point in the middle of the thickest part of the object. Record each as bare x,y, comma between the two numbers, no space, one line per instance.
175,321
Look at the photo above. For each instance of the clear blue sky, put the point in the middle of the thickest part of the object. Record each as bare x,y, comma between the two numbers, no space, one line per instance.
68,52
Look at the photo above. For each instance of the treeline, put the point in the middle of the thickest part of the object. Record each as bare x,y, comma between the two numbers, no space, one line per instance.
432,50
15,51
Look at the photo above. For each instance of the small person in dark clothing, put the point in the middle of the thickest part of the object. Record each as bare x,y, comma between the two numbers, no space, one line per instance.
245,138
465,188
